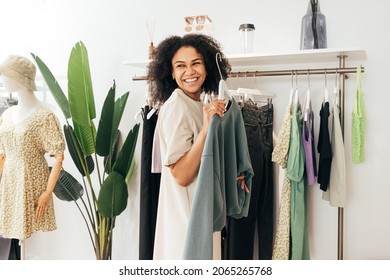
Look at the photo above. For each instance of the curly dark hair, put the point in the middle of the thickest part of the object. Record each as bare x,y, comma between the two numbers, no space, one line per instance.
161,84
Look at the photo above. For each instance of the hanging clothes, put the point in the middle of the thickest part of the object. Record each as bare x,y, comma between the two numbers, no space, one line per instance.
337,190
308,141
324,148
281,250
358,122
149,188
224,183
295,172
156,154
280,152
241,232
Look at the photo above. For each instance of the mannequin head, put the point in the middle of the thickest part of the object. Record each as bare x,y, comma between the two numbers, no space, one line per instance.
18,73
13,85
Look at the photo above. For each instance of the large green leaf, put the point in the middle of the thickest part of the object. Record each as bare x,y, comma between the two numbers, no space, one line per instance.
104,132
110,159
120,105
67,187
54,87
125,157
86,134
109,122
113,195
81,99
131,171
82,163
80,92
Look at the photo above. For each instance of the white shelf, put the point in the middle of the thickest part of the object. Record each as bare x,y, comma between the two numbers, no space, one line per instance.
273,58
298,57
137,63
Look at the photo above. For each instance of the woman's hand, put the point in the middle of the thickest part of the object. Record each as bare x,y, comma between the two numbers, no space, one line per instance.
42,205
209,110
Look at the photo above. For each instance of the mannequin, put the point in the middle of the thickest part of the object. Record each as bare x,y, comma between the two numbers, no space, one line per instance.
27,101
27,104
28,131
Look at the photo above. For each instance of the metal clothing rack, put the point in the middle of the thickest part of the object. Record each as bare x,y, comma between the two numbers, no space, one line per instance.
295,72
343,72
311,71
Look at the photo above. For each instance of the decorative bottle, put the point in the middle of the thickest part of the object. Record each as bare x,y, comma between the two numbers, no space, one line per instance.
313,29
152,48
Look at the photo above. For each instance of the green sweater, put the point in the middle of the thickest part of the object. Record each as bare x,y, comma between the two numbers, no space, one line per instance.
218,193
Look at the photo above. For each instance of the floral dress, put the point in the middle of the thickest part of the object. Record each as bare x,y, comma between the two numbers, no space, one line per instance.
25,173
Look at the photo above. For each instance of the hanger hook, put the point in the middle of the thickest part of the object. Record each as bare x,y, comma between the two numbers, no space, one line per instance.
308,77
220,59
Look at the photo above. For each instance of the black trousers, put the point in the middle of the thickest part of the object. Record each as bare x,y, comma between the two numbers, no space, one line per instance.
149,190
240,233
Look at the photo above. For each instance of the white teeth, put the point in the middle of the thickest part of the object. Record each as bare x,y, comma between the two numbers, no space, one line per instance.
191,80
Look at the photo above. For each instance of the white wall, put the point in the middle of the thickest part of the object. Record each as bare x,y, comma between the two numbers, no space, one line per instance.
115,30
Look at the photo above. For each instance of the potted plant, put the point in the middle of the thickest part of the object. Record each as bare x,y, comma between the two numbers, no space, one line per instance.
94,151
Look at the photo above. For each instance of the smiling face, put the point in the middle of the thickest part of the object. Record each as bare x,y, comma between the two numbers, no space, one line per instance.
189,71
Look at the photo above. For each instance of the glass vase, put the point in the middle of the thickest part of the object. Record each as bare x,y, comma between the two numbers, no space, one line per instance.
313,29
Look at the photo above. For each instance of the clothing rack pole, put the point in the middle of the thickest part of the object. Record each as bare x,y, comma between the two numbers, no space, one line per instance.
340,225
340,70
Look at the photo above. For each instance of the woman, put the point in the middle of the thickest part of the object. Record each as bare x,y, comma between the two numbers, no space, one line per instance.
183,69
